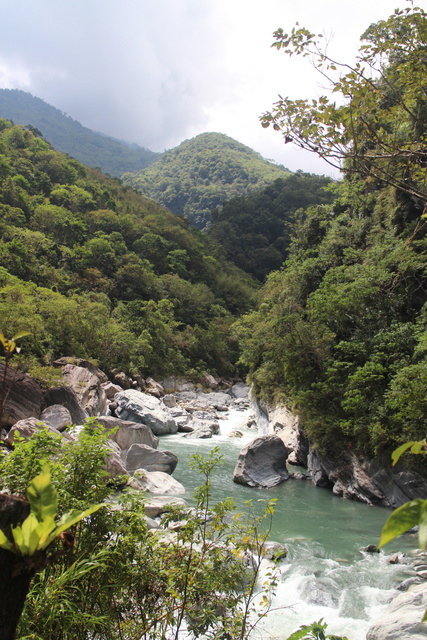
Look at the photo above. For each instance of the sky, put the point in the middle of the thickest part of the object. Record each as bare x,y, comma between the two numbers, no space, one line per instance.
157,72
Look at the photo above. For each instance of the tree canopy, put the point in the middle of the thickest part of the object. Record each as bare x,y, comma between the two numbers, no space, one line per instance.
373,119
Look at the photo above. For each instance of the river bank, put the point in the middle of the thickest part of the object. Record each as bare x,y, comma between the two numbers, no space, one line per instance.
326,573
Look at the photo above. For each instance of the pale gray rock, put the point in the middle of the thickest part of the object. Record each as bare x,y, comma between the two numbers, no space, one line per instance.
24,396
240,391
157,505
87,387
128,433
57,416
140,456
170,401
27,428
113,462
154,388
136,406
68,399
155,482
111,389
174,384
81,362
262,463
202,433
402,619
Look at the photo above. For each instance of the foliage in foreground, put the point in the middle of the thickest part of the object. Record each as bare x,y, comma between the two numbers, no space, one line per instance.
121,581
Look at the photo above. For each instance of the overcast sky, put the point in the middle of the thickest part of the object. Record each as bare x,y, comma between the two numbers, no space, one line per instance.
157,72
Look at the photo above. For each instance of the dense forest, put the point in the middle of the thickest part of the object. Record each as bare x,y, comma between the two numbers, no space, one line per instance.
94,269
202,173
255,231
69,136
340,331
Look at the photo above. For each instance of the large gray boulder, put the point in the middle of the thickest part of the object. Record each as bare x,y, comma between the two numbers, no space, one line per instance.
402,619
140,456
156,482
140,407
87,387
126,433
23,396
262,463
68,399
57,416
27,428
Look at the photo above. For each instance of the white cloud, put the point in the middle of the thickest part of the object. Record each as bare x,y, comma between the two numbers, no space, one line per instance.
159,72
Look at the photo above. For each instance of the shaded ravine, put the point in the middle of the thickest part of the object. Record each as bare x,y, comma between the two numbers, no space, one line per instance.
326,574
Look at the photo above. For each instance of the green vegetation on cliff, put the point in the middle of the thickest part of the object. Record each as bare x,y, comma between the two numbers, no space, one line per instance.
94,269
202,173
69,136
340,332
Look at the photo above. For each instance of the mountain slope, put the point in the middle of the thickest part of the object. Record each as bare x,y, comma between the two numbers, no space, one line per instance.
69,136
93,269
203,172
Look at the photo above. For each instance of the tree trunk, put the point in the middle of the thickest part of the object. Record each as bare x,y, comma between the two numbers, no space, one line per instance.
15,572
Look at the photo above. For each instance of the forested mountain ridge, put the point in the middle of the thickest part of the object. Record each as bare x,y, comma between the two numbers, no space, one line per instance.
340,333
202,173
69,136
255,231
91,268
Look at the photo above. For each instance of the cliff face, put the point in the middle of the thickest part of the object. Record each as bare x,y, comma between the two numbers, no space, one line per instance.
373,481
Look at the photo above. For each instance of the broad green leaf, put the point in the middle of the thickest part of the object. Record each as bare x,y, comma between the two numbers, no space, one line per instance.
398,452
402,519
68,519
20,334
422,532
5,543
42,495
28,542
44,529
416,447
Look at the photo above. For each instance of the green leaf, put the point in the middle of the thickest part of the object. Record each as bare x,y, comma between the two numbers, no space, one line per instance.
422,532
402,519
5,543
67,521
398,452
20,334
42,496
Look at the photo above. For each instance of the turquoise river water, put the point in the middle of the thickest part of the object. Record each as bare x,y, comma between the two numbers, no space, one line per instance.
325,575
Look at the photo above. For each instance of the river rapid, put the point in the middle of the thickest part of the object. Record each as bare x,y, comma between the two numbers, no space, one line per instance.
326,574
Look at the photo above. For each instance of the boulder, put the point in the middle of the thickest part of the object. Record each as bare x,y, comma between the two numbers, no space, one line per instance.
402,619
24,396
155,482
111,389
154,388
173,384
345,475
240,391
68,399
126,433
202,433
169,400
87,387
57,416
262,463
26,428
140,456
81,362
136,406
113,462
156,506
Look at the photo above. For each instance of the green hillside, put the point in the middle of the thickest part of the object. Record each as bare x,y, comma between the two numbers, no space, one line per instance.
69,136
203,172
255,231
94,269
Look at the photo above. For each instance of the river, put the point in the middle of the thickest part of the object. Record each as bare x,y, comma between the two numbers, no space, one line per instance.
325,575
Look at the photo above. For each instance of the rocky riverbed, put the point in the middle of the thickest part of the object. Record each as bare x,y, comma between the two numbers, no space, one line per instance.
139,412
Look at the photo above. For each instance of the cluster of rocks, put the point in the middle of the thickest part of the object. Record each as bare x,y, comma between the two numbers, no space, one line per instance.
134,418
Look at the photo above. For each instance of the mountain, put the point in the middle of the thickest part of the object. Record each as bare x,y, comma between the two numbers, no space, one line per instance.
69,136
93,269
203,172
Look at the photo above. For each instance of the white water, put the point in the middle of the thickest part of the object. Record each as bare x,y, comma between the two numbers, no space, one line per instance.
325,574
